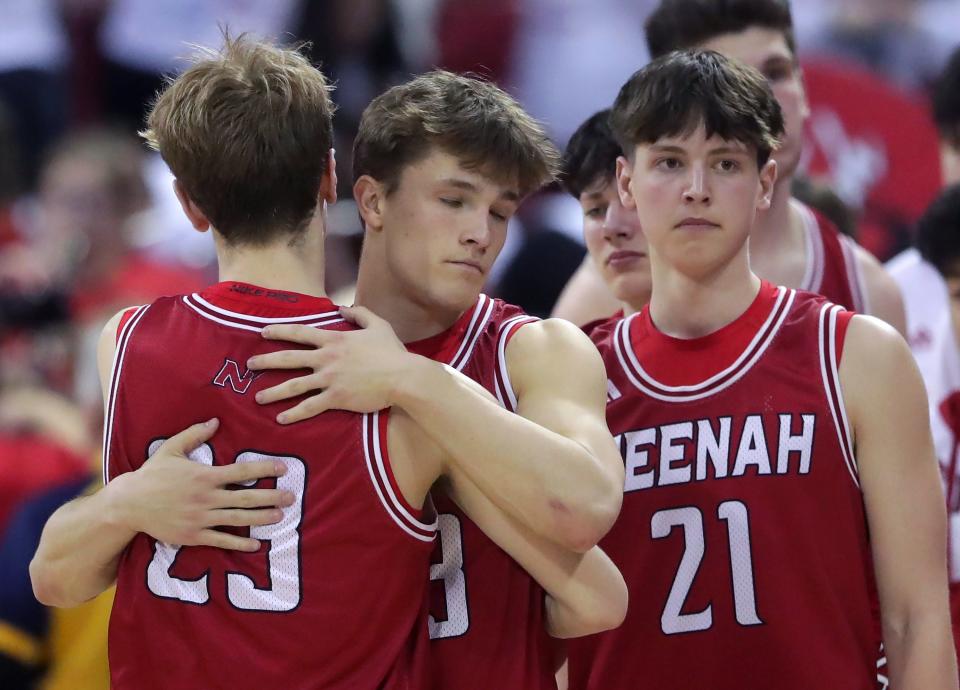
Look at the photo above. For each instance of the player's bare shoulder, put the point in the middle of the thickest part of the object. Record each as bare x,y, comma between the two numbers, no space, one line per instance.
877,370
884,296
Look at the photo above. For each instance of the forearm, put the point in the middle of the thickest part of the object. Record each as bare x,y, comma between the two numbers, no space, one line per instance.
921,654
591,601
552,484
585,591
79,551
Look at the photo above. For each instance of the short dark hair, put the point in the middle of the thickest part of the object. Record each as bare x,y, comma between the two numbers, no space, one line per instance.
246,131
946,100
463,115
676,93
938,232
591,154
681,24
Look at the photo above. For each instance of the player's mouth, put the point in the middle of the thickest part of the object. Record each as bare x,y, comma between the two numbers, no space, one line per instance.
468,265
624,258
696,223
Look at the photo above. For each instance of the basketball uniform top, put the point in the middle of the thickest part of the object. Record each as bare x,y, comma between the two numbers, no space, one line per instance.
933,342
832,267
335,597
487,617
742,536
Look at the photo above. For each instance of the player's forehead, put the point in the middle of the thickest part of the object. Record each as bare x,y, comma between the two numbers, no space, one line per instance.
439,167
696,141
755,46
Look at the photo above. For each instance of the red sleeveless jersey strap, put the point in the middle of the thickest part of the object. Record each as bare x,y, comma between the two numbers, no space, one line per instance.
843,322
124,318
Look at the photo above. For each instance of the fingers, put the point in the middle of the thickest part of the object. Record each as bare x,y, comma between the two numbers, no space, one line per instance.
297,333
289,389
223,540
361,316
190,438
284,359
308,408
245,472
238,517
254,498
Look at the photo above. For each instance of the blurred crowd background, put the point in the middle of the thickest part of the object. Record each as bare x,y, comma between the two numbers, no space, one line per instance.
89,223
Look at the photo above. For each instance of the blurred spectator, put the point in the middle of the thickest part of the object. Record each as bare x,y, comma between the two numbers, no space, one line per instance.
888,36
946,114
571,57
141,40
33,51
43,648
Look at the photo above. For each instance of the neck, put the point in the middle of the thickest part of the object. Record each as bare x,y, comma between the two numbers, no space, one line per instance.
684,306
282,265
380,292
776,229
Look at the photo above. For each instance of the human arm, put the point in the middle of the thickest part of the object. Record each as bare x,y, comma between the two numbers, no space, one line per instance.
887,408
552,465
169,497
586,593
585,297
883,295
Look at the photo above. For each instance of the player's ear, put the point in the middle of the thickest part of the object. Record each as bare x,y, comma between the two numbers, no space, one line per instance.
369,195
197,218
768,178
624,179
328,181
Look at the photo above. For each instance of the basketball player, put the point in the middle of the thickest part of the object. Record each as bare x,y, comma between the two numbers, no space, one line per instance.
353,507
931,328
793,245
776,446
611,231
428,199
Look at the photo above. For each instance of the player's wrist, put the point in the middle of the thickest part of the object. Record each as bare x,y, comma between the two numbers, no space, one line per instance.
120,504
411,383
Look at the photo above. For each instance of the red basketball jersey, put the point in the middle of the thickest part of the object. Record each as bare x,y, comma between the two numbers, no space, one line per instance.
487,619
743,536
335,597
832,267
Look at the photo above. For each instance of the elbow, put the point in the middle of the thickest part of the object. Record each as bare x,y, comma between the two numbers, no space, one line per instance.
611,612
44,586
584,524
48,586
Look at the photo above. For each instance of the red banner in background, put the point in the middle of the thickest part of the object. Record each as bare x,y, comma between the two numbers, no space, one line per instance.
873,144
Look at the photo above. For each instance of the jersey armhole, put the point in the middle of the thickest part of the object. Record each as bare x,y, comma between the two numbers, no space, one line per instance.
128,321
411,520
834,321
501,375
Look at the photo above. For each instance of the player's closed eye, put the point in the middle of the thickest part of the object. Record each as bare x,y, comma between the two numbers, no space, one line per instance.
452,203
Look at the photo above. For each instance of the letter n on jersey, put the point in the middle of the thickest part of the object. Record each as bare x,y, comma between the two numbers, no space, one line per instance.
230,374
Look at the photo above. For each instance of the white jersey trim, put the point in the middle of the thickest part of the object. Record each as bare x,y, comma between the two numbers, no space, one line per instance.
858,288
502,385
715,384
262,319
815,262
481,315
381,483
831,386
315,320
116,368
